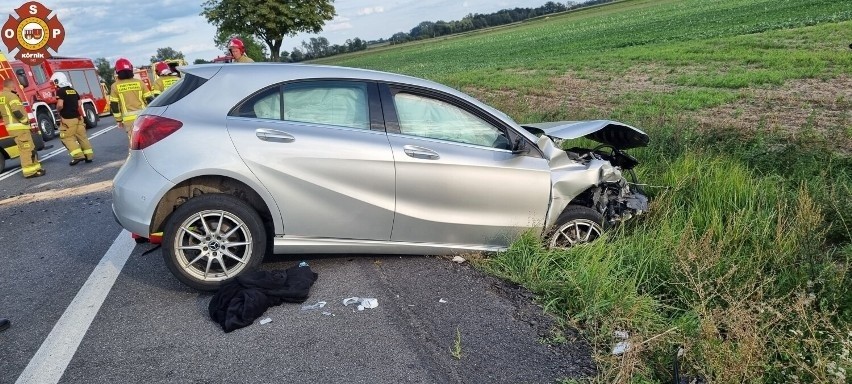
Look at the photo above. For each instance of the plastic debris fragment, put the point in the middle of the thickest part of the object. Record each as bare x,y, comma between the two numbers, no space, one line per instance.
621,347
265,321
351,300
459,259
442,300
363,302
318,305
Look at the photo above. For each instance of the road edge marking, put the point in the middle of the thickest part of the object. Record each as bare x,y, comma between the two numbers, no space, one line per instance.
52,358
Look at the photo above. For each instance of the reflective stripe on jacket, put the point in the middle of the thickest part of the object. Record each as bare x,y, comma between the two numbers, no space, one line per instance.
9,103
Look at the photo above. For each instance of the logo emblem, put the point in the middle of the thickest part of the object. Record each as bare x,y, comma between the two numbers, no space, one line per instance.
32,32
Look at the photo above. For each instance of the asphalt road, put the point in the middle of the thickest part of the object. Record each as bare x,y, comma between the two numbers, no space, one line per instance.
88,307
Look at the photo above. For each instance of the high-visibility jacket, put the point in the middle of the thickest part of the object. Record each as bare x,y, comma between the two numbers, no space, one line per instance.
9,104
127,98
244,59
163,83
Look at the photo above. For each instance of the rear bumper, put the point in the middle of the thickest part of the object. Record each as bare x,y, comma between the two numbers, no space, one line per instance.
137,189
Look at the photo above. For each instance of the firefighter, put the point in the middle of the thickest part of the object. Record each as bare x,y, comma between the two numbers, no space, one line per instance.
166,78
72,129
127,96
238,51
173,66
17,123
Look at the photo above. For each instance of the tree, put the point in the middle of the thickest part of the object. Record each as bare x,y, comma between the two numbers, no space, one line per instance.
297,55
105,71
165,54
316,48
201,61
268,20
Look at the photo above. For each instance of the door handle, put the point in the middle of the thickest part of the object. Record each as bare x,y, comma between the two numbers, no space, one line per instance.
420,152
274,135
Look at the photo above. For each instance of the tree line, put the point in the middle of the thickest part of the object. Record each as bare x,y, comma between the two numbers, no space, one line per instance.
319,47
223,14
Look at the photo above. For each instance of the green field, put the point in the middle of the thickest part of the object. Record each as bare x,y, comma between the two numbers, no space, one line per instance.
744,260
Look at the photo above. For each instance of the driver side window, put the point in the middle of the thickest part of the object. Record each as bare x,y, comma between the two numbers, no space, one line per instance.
435,119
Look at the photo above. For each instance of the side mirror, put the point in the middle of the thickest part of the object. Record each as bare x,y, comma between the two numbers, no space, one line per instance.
519,146
22,78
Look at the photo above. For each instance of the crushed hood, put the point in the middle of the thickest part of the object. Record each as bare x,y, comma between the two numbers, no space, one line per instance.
618,135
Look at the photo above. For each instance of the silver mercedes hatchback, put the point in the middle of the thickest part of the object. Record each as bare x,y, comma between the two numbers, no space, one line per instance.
236,161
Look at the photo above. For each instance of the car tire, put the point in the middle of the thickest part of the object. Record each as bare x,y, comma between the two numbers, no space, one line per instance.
576,225
200,230
46,125
90,116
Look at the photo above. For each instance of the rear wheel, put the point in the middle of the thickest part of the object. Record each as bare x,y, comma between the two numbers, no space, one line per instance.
46,125
2,162
212,239
576,225
90,116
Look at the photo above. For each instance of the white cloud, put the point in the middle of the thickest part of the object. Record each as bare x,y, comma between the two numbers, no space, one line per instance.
338,26
370,10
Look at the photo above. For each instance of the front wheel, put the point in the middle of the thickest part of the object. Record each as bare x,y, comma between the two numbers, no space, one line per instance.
90,116
46,125
576,225
38,141
212,239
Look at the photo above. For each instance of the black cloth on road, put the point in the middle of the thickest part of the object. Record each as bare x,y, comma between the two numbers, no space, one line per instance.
239,302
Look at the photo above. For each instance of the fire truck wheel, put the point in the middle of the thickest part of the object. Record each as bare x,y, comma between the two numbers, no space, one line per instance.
39,142
90,116
46,125
2,162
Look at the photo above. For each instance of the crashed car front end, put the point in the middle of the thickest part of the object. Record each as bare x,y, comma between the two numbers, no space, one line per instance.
592,177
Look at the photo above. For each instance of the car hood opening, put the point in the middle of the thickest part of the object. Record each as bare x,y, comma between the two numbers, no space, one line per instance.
616,134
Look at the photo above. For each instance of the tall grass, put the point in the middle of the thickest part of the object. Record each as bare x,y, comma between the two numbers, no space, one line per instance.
728,265
743,261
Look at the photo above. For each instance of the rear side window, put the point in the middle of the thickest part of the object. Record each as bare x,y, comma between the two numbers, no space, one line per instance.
186,85
339,103
328,102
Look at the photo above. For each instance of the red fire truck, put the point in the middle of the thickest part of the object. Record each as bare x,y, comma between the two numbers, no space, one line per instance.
40,92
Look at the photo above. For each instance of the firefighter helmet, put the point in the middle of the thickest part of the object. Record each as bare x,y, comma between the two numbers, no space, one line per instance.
162,68
60,80
123,64
237,43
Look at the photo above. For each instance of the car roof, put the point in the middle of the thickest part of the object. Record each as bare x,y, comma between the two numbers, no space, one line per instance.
253,76
280,72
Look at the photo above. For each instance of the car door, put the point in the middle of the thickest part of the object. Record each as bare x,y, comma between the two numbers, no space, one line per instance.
320,148
457,180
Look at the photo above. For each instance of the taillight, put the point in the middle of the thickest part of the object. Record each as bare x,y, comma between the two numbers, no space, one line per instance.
148,129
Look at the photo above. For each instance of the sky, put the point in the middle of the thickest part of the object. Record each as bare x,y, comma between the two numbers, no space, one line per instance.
135,29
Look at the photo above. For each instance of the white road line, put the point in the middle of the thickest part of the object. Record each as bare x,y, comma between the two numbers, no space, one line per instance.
55,152
51,359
